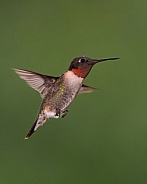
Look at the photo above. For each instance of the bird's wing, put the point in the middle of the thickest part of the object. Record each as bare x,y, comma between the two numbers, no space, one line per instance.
39,82
86,89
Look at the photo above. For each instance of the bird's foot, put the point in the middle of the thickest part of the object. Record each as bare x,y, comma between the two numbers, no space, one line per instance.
61,114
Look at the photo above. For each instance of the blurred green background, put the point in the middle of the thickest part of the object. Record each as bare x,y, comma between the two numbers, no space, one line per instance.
103,139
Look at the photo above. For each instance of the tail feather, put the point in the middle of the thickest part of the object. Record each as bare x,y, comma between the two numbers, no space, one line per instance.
32,130
38,122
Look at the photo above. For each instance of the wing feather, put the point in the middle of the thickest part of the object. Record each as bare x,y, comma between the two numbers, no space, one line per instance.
86,89
39,82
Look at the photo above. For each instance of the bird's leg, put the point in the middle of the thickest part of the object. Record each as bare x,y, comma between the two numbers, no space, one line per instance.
63,113
57,115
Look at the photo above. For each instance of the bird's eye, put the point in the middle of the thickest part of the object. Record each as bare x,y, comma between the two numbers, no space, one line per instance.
82,60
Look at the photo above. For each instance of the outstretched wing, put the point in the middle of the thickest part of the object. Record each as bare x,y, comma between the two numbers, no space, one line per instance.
39,82
86,89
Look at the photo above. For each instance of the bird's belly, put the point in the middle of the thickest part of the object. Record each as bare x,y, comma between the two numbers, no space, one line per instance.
49,114
57,105
66,100
59,101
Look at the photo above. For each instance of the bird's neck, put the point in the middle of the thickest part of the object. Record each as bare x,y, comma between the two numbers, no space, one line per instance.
73,77
81,72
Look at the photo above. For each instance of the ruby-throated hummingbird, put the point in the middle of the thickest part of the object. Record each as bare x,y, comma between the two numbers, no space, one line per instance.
59,92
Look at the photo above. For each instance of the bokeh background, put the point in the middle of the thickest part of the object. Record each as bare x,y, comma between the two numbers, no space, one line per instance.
103,139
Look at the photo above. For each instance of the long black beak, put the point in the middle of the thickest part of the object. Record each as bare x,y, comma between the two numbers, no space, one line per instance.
103,59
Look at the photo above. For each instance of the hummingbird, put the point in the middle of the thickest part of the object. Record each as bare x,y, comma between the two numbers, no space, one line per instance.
58,92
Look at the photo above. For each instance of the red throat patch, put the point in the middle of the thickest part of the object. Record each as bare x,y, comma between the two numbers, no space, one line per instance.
81,72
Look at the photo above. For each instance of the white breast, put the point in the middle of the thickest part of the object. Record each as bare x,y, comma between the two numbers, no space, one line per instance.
73,79
49,114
